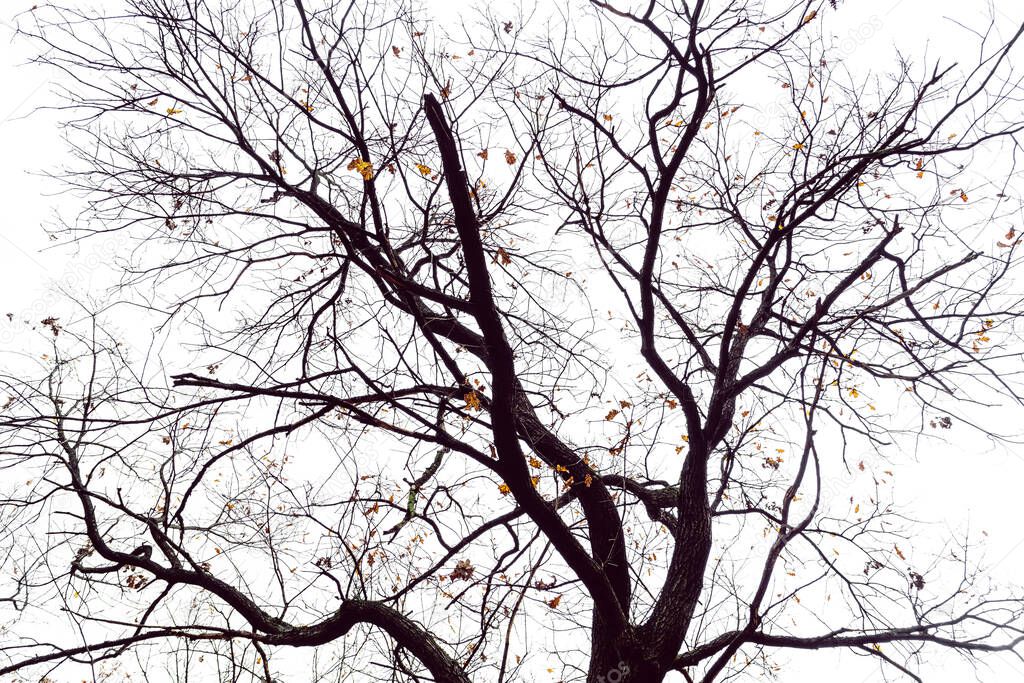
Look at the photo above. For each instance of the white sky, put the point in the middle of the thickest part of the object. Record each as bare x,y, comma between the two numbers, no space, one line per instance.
953,487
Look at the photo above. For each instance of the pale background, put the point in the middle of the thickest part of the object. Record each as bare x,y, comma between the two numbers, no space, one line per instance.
954,486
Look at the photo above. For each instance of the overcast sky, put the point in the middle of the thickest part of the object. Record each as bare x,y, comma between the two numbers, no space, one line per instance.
954,486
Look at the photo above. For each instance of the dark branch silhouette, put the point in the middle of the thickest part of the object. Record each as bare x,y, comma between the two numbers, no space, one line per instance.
543,346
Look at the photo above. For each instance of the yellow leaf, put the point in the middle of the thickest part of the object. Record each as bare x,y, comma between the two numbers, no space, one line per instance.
607,117
798,145
504,489
171,111
424,170
365,168
810,17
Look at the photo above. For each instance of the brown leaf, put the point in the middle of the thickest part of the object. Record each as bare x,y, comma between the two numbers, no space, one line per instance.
463,570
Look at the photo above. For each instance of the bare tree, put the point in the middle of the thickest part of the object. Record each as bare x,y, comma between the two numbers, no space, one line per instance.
537,344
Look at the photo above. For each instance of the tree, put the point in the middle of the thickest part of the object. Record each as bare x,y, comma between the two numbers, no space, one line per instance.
534,347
